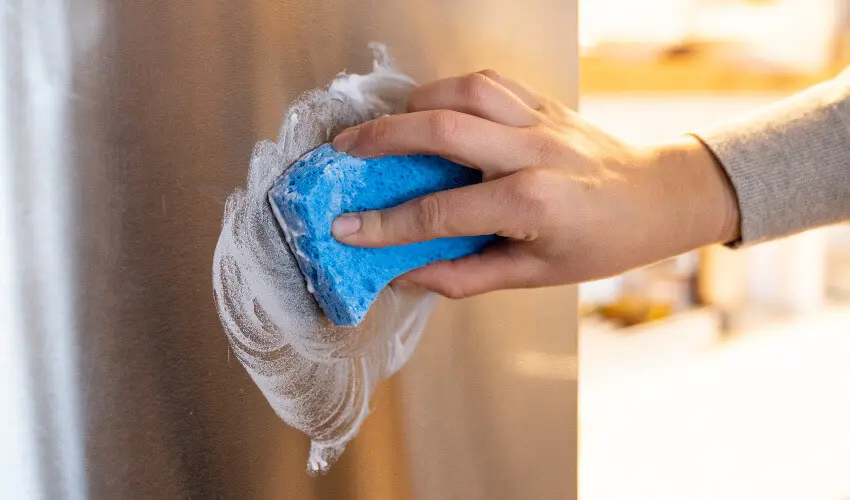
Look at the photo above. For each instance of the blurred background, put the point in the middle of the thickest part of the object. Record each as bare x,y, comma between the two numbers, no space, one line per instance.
717,374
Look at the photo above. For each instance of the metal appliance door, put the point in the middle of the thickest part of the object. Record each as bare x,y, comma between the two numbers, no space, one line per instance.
125,124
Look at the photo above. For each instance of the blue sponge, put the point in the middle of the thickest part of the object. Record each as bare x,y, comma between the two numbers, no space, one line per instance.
322,185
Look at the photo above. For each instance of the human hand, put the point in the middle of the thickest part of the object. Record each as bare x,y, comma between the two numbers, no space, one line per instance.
573,202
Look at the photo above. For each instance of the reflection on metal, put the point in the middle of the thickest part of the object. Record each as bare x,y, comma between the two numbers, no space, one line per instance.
37,71
545,365
123,127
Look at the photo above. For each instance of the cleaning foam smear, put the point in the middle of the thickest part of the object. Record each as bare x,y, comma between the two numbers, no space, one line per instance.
316,376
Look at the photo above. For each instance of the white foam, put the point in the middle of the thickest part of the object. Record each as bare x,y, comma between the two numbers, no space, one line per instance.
316,376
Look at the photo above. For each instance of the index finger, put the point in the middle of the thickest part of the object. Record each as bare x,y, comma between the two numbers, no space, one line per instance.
468,140
531,98
475,210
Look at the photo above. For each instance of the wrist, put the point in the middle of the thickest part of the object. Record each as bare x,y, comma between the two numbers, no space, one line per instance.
703,199
724,215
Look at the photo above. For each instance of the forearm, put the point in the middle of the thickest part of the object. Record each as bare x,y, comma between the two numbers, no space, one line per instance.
790,164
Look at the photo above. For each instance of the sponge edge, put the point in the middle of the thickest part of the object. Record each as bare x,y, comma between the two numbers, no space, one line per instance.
323,184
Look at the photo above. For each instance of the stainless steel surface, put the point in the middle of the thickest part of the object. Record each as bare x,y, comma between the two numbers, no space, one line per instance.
125,124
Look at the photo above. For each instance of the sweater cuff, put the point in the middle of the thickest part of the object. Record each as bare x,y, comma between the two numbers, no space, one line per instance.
789,165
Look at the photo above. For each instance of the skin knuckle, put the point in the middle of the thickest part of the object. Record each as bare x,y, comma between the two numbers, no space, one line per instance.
377,131
443,126
532,192
431,215
541,148
474,87
419,99
374,225
383,225
490,73
453,291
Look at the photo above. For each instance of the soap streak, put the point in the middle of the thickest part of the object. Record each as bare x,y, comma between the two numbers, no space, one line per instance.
316,376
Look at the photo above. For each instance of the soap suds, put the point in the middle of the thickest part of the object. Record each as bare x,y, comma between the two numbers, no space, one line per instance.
318,377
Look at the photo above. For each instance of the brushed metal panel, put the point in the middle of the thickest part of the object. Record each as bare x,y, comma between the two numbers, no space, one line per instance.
125,125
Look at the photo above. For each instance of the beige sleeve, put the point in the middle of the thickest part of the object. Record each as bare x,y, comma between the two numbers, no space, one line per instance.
790,163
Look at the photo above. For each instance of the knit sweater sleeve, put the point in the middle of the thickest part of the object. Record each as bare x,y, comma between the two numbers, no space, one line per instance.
790,163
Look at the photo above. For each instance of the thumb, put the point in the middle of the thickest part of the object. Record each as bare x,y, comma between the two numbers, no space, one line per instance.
500,266
474,210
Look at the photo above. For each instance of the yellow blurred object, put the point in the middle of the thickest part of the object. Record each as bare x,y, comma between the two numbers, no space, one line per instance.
630,311
688,72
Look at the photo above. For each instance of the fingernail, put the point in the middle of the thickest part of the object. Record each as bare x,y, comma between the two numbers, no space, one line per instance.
345,140
345,225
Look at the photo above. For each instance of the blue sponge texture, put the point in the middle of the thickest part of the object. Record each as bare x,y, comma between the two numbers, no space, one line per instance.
323,184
